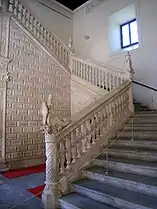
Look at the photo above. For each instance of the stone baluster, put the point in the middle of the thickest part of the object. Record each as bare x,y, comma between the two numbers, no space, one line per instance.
16,8
59,51
77,142
84,142
88,66
51,191
31,23
62,60
67,60
35,27
38,30
27,19
24,16
74,150
68,152
62,156
110,83
11,5
89,135
42,31
20,12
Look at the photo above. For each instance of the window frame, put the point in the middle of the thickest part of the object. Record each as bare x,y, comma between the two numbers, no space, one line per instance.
121,34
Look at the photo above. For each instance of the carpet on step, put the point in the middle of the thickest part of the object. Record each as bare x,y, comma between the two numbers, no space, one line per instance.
37,191
24,171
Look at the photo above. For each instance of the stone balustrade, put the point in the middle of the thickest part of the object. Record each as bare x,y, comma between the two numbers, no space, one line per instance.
45,37
77,143
104,76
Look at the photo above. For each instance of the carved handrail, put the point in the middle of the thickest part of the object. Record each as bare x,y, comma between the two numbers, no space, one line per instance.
45,37
100,74
77,143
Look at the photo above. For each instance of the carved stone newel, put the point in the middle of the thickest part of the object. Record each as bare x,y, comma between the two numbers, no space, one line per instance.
130,72
128,66
51,124
70,44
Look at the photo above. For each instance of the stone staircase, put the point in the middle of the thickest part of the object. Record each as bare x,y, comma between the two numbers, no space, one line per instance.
128,179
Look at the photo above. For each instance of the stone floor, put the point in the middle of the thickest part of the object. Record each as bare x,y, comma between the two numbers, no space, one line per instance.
14,194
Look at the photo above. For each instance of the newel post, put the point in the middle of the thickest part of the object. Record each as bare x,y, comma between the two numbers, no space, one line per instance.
51,191
130,73
70,46
51,125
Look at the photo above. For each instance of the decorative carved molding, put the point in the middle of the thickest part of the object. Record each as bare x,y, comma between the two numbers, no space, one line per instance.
93,4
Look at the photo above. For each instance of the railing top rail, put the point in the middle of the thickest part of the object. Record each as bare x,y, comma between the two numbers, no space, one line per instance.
87,111
144,85
100,65
14,3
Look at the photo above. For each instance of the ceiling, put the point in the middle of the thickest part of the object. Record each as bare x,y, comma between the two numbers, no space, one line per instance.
72,4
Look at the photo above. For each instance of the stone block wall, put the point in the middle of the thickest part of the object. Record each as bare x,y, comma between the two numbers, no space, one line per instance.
33,76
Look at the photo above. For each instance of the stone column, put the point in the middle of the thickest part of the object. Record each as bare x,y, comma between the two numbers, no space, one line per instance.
51,192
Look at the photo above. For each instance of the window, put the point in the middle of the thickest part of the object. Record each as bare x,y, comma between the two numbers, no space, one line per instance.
129,34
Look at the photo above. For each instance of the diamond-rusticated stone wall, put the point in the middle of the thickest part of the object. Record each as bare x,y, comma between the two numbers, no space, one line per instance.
33,76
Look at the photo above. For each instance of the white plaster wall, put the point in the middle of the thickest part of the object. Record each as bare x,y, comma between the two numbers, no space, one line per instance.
96,25
57,23
83,94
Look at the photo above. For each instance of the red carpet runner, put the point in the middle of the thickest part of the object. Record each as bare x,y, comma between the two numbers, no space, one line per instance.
37,191
24,171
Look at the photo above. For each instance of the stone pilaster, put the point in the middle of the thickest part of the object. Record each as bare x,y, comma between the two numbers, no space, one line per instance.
4,74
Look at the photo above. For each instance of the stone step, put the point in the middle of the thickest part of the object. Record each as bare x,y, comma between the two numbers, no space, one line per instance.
136,124
146,144
132,182
142,121
114,196
77,201
139,135
140,128
136,154
128,165
151,113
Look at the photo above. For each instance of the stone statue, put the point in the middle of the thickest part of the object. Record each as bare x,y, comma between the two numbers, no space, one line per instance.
50,119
